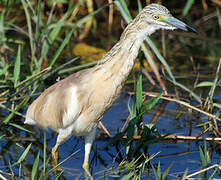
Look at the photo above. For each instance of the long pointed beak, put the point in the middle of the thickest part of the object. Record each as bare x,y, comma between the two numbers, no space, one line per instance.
179,24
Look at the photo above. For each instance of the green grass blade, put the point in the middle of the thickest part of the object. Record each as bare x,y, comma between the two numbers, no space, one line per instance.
47,43
35,167
155,172
19,106
45,155
188,6
207,153
204,84
215,82
139,5
17,66
134,114
139,95
160,57
22,157
149,58
3,69
76,68
64,43
60,67
3,28
166,172
213,174
125,15
128,176
151,104
31,8
218,106
130,129
203,158
56,28
124,5
219,16
188,90
28,18
128,107
159,170
33,77
37,27
20,127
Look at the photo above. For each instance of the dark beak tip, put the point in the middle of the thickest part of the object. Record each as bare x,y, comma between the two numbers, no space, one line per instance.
190,29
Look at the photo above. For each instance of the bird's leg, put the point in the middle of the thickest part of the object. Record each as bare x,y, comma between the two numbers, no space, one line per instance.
88,143
63,135
54,154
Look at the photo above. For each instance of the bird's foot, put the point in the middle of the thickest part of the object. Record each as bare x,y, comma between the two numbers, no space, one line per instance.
87,172
54,154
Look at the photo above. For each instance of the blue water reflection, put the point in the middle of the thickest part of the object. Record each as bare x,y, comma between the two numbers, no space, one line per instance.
182,155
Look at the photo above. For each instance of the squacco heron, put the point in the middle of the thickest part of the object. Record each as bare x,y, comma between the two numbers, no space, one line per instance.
76,104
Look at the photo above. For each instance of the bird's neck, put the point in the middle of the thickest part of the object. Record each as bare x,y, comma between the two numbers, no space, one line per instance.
119,61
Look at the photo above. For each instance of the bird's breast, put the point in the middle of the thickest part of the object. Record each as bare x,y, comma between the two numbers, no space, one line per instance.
101,92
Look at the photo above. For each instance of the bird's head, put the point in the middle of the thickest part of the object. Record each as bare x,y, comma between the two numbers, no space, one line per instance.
159,17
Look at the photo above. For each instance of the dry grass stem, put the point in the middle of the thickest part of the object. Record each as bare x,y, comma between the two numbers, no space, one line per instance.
183,138
203,170
172,99
110,16
101,125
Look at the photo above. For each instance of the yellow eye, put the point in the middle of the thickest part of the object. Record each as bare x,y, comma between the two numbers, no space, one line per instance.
156,17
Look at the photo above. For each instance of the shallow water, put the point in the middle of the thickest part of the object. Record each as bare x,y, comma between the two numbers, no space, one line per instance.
182,155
